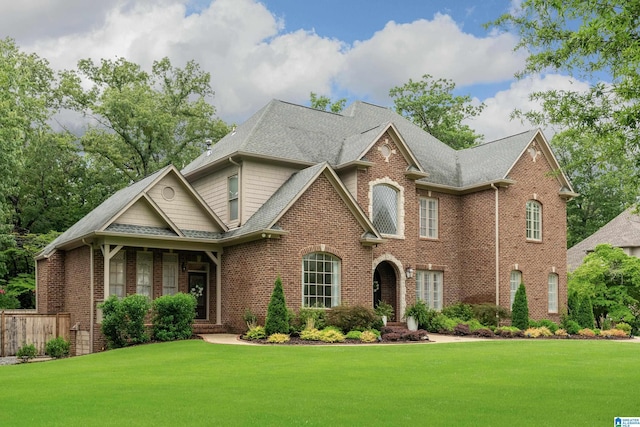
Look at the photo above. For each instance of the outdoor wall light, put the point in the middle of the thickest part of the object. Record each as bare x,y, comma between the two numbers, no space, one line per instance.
409,272
184,266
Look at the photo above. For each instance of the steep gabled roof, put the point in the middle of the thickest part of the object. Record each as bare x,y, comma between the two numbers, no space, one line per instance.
102,218
266,217
294,133
622,232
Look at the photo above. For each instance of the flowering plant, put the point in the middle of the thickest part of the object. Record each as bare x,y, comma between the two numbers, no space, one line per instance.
197,291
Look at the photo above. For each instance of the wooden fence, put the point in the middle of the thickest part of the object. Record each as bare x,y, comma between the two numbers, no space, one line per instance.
17,329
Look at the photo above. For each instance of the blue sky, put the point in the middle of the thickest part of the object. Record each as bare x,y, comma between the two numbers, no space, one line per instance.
259,50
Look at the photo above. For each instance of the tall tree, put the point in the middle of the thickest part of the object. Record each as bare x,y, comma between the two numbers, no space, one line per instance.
324,103
430,104
143,121
588,39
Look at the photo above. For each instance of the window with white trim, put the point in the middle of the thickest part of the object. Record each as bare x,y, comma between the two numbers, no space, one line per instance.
429,288
553,293
320,280
169,274
515,280
232,185
534,220
144,273
429,218
385,209
117,274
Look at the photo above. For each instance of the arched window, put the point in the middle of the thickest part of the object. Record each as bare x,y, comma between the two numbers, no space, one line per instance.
385,208
320,280
534,220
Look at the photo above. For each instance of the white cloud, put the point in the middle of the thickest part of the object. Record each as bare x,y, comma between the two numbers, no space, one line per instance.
494,122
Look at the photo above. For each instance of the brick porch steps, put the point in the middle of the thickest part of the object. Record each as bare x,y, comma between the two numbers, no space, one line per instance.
208,328
399,324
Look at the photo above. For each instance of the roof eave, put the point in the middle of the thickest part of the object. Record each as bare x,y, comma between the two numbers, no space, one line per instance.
466,189
360,164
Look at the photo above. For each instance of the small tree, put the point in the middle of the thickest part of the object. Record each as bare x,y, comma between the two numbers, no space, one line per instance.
584,315
277,316
520,309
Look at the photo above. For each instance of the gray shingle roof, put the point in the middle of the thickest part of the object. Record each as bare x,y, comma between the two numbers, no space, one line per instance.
140,229
623,232
97,218
306,135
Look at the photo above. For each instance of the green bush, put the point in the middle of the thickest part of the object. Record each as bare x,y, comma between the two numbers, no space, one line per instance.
57,348
352,318
489,314
316,314
584,316
354,335
533,323
278,338
173,317
624,327
549,324
249,318
310,334
26,352
255,333
572,327
446,324
277,321
331,335
123,320
520,309
474,325
572,304
460,310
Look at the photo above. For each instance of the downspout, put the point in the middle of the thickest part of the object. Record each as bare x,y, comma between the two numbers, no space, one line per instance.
91,292
497,237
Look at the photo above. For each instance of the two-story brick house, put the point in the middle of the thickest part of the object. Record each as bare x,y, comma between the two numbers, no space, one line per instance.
354,208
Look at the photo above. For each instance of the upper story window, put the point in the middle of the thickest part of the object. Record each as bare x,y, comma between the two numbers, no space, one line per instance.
534,220
117,274
232,185
429,218
169,274
144,273
553,293
320,280
515,280
385,214
429,288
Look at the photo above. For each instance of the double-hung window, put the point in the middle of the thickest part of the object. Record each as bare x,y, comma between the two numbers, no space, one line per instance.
144,273
429,288
429,218
514,281
534,220
117,274
320,280
553,293
169,274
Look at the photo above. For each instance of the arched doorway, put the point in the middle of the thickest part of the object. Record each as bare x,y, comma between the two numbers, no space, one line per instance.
385,286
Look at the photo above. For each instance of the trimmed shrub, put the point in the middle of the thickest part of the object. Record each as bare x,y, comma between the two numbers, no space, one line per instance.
26,352
549,324
278,338
545,332
354,335
331,335
489,314
173,317
520,309
419,335
392,336
277,321
484,332
507,331
586,332
584,316
624,327
310,334
474,325
532,333
572,327
533,323
352,318
460,310
614,333
255,333
561,333
368,336
57,348
317,315
461,329
447,325
123,320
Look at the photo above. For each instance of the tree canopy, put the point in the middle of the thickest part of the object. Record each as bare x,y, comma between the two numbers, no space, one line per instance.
324,103
430,104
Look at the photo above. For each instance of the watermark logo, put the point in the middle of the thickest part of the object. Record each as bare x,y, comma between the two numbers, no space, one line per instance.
626,422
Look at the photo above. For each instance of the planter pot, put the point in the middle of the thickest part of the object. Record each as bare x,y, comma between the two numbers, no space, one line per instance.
412,323
384,320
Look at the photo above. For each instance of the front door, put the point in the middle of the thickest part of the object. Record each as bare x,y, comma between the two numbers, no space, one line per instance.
377,289
198,288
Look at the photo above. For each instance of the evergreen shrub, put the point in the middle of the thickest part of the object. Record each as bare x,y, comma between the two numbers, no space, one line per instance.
520,309
123,320
277,321
173,317
57,348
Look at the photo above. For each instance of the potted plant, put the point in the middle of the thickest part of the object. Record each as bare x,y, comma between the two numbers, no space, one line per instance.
416,314
385,311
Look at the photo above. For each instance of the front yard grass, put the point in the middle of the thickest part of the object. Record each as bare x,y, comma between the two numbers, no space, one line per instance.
554,382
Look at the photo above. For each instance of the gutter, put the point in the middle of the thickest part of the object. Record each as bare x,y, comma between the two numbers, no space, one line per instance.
91,296
497,237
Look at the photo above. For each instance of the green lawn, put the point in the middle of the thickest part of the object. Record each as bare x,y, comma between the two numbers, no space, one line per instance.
510,383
